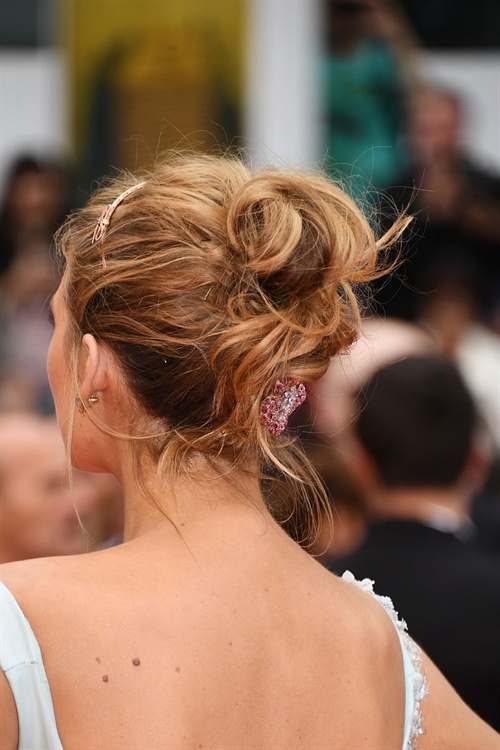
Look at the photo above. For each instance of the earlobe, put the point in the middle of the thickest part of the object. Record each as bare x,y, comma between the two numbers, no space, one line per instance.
93,366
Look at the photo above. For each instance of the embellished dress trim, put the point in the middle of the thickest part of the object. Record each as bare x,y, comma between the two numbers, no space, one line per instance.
418,676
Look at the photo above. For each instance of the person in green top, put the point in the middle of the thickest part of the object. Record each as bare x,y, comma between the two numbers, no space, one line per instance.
364,83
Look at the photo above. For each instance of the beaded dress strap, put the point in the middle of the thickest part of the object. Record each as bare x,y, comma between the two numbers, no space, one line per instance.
415,678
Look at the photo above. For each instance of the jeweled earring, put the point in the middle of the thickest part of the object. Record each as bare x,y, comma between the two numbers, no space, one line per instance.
93,399
275,410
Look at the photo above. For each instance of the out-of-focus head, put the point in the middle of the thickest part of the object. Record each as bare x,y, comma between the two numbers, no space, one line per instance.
346,16
34,194
209,285
382,342
37,516
435,127
416,421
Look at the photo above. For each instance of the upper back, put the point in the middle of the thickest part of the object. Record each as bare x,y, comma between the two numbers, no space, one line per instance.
196,661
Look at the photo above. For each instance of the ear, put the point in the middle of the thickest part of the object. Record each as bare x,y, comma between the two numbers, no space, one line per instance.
93,366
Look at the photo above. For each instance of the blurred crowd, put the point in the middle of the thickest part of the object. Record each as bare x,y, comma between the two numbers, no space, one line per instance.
40,514
404,429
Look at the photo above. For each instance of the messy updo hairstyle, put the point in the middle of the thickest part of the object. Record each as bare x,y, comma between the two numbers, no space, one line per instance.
211,283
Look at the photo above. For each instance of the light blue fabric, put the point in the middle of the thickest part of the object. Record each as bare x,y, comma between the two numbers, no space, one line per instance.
21,661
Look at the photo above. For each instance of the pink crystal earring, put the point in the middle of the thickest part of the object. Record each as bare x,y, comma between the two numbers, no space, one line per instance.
275,410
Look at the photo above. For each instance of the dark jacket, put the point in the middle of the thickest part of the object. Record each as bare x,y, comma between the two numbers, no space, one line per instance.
448,591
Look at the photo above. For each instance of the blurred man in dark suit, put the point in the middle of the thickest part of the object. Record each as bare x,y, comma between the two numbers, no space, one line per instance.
415,429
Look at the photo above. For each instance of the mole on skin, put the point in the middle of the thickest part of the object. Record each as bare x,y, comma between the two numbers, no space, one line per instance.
105,678
177,669
136,662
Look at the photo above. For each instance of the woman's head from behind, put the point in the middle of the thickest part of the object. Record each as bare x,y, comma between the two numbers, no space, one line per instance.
208,286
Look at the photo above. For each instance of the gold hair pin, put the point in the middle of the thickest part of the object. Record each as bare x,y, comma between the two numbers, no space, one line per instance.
105,217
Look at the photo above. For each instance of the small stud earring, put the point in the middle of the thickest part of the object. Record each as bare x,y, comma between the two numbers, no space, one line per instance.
93,399
79,405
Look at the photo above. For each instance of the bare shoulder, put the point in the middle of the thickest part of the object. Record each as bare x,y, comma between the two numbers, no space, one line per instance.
35,574
14,573
366,618
27,576
367,653
366,628
449,723
34,582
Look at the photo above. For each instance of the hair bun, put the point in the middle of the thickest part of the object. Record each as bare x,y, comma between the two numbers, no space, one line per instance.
283,230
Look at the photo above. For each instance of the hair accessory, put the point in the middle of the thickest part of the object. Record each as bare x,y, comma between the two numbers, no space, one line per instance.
275,410
105,217
93,399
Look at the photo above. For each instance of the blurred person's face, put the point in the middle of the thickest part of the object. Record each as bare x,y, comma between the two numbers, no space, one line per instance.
435,126
35,200
31,277
37,517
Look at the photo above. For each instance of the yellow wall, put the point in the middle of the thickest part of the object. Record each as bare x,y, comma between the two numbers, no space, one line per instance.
173,60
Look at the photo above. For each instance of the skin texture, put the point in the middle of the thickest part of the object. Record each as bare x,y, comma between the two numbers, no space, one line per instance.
243,639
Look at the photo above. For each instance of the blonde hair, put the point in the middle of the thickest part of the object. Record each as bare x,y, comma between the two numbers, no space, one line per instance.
210,284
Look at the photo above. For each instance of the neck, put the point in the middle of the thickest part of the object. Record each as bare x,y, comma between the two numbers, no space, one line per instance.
203,502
